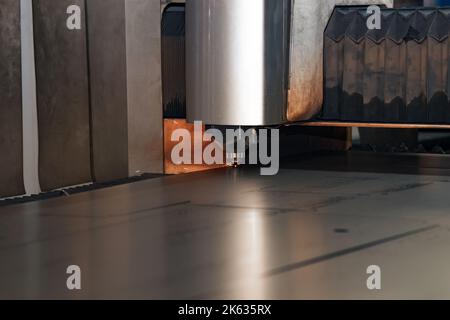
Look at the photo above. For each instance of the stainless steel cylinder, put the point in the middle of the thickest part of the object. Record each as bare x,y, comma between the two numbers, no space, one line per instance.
237,57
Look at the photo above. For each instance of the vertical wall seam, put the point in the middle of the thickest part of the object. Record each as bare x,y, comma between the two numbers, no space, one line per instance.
91,142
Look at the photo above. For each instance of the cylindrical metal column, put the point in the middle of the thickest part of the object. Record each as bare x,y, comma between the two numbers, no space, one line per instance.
236,57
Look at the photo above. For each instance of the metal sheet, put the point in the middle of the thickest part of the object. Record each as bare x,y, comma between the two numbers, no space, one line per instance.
62,96
108,83
236,55
11,163
232,234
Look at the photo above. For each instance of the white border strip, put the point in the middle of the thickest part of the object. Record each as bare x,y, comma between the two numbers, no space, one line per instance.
29,105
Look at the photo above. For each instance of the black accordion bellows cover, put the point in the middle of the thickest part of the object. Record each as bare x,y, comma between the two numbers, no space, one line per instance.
397,74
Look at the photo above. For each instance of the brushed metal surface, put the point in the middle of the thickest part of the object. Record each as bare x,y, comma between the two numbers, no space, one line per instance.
235,234
11,163
108,84
236,56
62,96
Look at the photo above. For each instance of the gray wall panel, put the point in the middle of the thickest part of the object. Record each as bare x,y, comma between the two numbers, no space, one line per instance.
108,80
62,96
11,163
143,37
